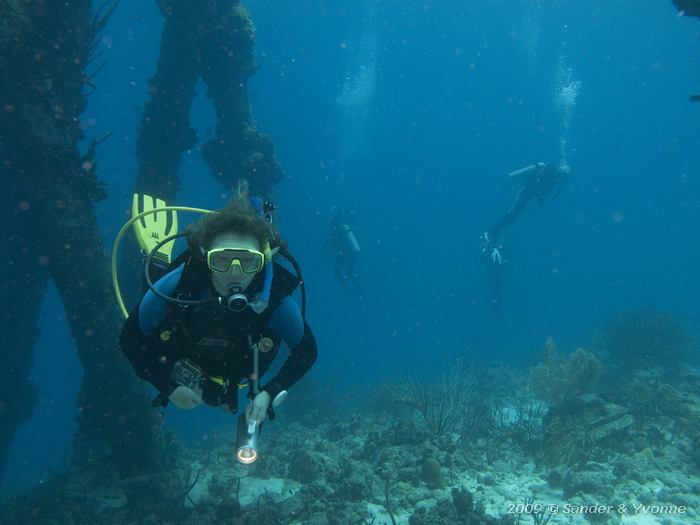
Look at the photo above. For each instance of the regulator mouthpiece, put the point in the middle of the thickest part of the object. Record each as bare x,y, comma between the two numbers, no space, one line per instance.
247,441
236,300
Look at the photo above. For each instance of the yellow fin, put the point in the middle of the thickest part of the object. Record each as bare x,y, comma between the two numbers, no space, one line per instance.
154,227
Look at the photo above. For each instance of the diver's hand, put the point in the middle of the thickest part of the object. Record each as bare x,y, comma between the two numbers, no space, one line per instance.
257,409
186,398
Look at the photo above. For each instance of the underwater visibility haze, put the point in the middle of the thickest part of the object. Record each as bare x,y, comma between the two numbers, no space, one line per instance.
452,266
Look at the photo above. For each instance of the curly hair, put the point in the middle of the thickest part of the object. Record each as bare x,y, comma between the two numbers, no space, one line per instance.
238,216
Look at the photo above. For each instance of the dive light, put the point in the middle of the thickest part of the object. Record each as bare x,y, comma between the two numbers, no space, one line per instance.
247,441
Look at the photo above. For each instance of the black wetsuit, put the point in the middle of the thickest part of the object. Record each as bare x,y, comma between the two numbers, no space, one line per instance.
536,185
159,333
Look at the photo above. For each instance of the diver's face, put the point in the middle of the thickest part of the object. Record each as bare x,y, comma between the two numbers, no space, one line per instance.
223,282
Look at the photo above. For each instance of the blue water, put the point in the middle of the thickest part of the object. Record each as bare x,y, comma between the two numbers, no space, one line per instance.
412,114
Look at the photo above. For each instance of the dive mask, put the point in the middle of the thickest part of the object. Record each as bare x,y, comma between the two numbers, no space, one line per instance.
222,260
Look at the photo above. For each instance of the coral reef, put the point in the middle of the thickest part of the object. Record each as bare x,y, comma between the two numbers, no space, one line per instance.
441,402
580,431
431,473
357,465
645,338
557,380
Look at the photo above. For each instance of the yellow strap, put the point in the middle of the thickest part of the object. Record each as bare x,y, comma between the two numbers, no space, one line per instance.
219,380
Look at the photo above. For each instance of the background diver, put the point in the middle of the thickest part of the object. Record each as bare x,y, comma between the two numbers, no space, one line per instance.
342,243
218,317
536,181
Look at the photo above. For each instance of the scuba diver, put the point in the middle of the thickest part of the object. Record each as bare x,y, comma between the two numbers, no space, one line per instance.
342,243
218,314
537,181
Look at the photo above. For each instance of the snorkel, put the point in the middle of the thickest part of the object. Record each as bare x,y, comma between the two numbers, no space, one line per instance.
261,303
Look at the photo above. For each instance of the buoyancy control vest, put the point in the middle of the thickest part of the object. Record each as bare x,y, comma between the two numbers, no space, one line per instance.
217,338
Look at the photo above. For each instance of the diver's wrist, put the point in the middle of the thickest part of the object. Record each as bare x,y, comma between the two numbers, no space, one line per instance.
273,389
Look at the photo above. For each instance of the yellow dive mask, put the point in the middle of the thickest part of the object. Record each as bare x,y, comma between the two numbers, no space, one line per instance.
222,260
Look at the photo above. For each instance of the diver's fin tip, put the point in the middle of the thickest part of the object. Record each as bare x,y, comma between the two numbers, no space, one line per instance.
149,230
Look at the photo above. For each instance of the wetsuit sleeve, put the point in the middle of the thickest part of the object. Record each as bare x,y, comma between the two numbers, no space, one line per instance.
151,356
153,308
144,355
286,321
